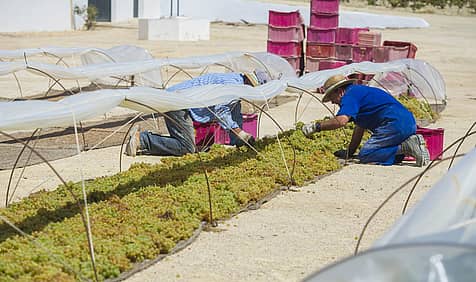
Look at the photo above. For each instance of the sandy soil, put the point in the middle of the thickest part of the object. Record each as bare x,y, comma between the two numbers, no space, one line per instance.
299,232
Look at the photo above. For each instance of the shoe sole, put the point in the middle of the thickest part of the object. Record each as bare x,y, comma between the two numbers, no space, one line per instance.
424,155
131,147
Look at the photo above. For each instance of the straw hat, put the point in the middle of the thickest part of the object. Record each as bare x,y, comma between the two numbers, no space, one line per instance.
257,77
332,84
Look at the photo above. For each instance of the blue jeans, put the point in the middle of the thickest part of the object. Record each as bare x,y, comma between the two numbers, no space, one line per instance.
180,142
182,134
238,118
383,145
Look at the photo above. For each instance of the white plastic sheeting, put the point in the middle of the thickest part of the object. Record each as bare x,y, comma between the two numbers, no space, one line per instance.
451,206
423,78
434,241
32,114
54,51
257,12
103,64
409,263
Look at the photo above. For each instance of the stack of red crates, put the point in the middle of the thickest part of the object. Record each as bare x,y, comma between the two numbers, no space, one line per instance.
321,35
286,37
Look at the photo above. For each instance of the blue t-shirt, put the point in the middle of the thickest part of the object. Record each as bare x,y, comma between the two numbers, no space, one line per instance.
371,107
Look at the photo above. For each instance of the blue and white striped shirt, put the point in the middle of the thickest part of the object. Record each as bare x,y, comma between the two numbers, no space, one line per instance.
223,111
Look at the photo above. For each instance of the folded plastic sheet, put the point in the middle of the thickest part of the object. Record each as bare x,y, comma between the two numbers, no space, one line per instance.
424,78
101,65
434,241
53,51
446,214
405,263
32,114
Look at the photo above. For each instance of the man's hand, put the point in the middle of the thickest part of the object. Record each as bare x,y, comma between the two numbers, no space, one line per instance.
310,128
245,139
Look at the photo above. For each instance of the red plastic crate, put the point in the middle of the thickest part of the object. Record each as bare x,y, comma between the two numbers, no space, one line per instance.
397,53
380,54
250,125
204,133
285,34
312,64
295,62
321,35
317,64
285,48
343,52
347,35
362,53
284,19
330,64
434,139
412,49
320,50
319,20
369,38
325,6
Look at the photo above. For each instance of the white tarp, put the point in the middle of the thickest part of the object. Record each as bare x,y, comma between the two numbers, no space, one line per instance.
32,114
18,115
450,205
434,241
417,73
257,12
101,64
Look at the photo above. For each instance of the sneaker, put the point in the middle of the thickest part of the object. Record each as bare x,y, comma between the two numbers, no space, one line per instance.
133,143
415,146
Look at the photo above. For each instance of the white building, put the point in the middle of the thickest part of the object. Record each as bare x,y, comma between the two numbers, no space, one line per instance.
57,15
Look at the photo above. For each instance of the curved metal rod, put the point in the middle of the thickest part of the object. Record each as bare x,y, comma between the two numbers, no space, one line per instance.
68,187
297,107
212,222
99,52
330,111
51,77
121,79
440,154
388,199
427,82
114,132
15,165
225,66
259,62
419,91
461,143
179,69
60,59
291,174
124,141
205,69
16,78
82,135
23,171
18,84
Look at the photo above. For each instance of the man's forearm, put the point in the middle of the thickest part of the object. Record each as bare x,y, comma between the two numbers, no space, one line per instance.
334,123
356,139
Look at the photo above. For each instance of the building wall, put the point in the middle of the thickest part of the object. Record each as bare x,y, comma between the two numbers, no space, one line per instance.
35,15
122,10
149,9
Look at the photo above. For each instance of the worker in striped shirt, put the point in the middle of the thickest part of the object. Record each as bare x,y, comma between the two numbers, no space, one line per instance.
181,139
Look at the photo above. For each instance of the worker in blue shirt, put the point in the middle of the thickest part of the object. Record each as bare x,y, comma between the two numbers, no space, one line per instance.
181,139
392,126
